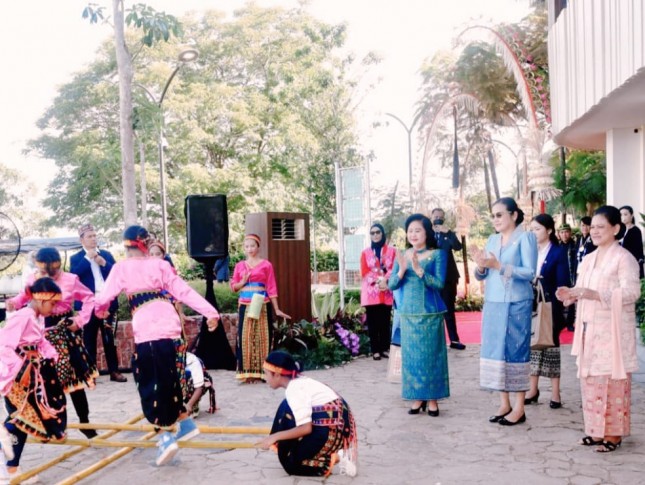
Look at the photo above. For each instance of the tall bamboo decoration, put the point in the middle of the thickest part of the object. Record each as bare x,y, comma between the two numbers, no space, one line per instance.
532,87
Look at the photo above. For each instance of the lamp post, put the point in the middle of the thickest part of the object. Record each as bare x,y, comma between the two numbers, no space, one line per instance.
409,132
186,56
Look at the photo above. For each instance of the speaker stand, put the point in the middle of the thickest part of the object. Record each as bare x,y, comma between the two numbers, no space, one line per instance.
213,347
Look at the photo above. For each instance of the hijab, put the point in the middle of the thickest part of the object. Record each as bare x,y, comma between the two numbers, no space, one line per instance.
378,245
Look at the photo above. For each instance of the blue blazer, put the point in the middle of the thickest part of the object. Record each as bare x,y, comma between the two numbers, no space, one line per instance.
513,282
555,273
80,266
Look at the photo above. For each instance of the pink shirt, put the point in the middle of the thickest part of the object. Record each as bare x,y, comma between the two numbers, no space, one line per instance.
261,273
22,328
606,344
371,270
72,289
156,319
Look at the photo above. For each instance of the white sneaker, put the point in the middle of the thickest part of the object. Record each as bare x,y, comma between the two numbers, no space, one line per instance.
346,466
168,448
6,443
29,481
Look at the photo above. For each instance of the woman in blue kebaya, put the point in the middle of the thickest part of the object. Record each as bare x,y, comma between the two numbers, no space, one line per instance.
420,273
507,265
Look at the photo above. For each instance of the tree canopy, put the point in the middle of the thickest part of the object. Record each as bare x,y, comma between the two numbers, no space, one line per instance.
261,116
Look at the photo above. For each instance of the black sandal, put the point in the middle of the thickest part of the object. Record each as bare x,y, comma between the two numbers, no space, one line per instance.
589,441
608,446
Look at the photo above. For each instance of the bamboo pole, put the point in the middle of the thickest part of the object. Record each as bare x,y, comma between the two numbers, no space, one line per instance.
150,427
45,466
77,477
100,443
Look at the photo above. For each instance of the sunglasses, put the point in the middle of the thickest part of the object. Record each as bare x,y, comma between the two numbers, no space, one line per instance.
374,233
499,215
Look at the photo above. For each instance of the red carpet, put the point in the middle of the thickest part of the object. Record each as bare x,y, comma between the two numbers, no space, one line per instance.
469,329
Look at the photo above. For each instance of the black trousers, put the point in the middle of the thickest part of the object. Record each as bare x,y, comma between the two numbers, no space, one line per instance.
379,327
90,334
448,295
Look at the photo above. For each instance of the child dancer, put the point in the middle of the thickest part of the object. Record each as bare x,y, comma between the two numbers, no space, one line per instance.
33,395
198,380
75,367
311,425
160,356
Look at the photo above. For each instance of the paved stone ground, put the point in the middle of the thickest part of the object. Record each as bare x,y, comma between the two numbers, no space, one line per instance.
459,447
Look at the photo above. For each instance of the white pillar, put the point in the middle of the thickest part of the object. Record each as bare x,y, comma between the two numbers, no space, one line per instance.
626,168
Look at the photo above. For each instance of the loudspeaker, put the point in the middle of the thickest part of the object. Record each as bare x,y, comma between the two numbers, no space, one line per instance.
206,226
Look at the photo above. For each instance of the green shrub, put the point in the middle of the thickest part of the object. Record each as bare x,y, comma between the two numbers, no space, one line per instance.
326,260
470,304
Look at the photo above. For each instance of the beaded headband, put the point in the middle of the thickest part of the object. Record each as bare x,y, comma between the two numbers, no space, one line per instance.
46,296
253,237
140,245
279,370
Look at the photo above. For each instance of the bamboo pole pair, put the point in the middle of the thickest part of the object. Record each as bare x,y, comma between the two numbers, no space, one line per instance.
77,477
150,427
68,454
127,446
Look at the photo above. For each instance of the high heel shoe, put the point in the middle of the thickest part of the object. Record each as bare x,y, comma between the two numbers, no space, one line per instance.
555,404
424,405
534,399
506,422
496,418
434,413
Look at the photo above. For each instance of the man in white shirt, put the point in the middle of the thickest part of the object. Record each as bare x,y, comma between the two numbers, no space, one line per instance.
93,267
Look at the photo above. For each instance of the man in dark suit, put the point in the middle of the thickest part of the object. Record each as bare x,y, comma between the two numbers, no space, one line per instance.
93,267
447,240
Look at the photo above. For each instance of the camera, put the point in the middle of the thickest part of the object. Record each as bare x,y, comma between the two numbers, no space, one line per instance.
438,222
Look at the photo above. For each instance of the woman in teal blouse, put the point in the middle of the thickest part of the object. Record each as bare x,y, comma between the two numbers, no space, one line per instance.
420,273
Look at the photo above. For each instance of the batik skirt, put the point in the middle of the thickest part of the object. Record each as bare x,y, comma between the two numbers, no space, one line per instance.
546,363
36,400
75,367
424,358
159,369
253,342
606,405
313,455
506,346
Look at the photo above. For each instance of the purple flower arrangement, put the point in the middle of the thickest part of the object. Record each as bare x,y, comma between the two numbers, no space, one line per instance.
348,338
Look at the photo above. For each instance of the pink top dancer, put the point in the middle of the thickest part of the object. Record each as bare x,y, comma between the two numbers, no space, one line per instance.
72,290
156,319
261,274
23,328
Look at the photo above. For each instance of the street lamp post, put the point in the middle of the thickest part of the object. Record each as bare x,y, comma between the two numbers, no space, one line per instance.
188,55
409,132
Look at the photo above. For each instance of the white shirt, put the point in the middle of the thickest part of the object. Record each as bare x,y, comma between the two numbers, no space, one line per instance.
303,394
541,257
99,282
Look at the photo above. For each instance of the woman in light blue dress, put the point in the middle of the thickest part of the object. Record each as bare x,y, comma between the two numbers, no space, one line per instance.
419,274
508,266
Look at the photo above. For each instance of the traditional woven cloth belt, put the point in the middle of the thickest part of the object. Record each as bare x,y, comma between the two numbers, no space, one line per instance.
137,300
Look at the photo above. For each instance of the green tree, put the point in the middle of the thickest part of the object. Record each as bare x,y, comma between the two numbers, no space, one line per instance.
261,116
155,26
584,182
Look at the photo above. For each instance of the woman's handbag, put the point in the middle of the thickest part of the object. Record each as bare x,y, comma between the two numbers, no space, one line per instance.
542,323
255,307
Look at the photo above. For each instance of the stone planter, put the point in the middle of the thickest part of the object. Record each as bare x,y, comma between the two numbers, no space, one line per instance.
125,339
